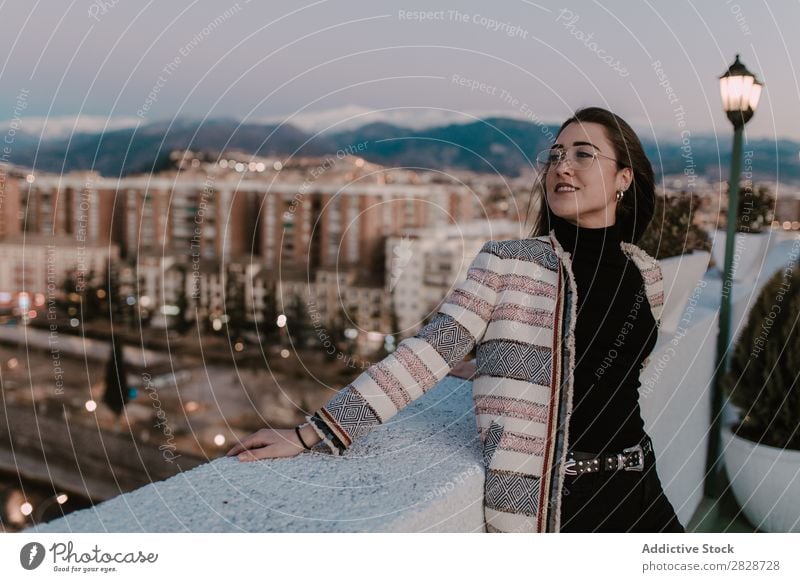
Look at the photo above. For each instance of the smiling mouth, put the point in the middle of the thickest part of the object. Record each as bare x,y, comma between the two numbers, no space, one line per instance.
564,188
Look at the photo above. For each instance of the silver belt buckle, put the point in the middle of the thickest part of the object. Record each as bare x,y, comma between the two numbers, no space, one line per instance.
635,449
568,470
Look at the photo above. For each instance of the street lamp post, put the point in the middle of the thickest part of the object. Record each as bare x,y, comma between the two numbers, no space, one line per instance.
740,93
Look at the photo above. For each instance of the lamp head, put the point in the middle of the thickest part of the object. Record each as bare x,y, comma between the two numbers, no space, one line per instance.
740,91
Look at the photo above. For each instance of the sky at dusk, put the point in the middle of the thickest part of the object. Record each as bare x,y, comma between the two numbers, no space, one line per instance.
119,62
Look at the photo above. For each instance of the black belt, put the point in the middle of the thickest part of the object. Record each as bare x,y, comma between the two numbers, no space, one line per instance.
629,459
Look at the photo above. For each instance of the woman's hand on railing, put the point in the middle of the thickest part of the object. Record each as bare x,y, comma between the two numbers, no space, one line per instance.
271,443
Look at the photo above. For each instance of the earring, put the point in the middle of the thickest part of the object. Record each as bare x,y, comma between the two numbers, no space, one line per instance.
620,194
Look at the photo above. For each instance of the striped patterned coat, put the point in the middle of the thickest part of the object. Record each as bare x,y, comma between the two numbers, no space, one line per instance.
517,308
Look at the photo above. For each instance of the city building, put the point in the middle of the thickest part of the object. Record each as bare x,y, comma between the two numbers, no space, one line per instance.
424,264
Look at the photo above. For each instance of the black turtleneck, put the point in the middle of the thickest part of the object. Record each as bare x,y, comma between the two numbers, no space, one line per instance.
614,332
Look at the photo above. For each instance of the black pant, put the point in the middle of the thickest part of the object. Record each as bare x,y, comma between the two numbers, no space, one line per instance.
622,501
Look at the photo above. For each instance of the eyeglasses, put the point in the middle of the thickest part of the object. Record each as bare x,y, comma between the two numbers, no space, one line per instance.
579,157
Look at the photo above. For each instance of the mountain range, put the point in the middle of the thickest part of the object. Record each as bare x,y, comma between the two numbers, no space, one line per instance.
492,145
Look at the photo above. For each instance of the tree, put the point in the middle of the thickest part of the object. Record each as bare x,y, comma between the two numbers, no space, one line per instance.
756,209
92,304
71,296
182,303
270,315
673,231
334,334
234,305
116,393
117,304
297,322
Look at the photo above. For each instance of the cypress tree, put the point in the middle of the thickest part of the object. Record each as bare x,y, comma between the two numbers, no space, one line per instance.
763,376
116,392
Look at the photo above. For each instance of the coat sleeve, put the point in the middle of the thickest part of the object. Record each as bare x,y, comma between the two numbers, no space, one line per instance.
654,282
418,363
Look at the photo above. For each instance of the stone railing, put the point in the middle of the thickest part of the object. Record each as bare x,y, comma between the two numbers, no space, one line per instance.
421,471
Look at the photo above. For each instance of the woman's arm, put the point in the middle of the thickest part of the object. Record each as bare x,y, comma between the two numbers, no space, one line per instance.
417,364
388,386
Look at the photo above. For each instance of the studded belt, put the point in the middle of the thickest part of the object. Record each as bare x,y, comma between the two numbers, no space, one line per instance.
629,459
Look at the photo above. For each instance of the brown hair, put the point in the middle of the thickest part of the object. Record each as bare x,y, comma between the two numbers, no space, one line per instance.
635,210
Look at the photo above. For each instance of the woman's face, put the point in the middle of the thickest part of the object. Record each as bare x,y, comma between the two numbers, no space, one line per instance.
586,197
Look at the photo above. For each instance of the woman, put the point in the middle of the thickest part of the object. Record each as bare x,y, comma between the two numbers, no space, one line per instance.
562,323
